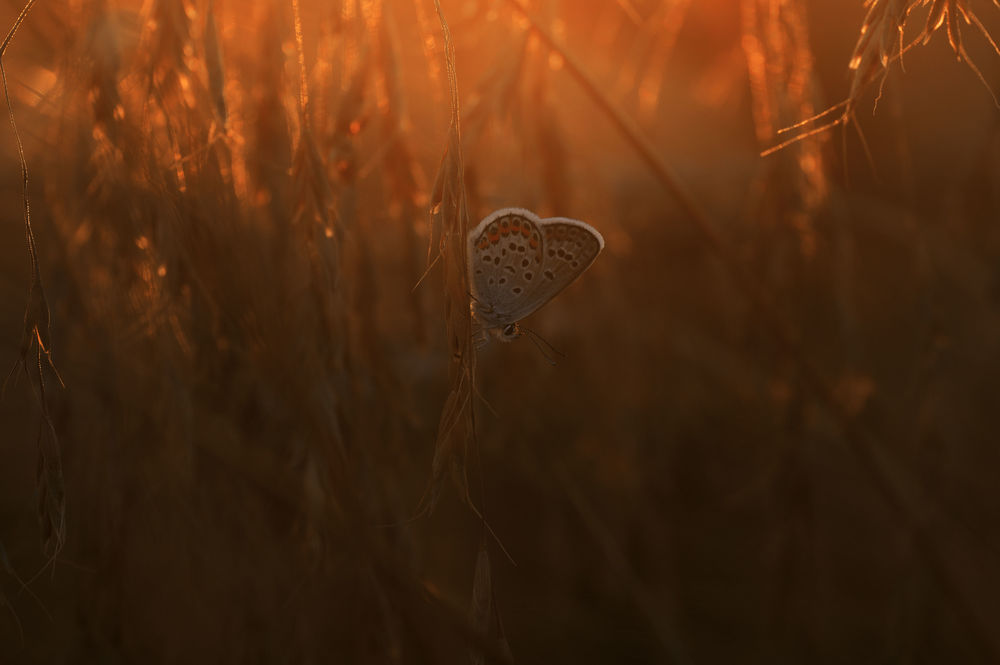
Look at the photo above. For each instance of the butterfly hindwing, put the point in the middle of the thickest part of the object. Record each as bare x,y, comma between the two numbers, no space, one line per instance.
569,247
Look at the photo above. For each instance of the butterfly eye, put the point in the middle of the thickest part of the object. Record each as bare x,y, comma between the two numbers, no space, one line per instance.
510,330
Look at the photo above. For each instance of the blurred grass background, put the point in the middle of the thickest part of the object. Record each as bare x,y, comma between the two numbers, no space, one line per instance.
253,386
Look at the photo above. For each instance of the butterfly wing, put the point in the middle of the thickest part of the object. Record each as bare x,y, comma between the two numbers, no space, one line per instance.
505,258
568,248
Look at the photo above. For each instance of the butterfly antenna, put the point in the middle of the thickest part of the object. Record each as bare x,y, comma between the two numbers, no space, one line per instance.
548,350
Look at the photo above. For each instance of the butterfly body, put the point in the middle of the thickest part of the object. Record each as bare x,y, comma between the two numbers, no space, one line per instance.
518,262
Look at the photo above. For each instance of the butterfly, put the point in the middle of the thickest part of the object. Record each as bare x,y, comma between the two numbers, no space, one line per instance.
518,262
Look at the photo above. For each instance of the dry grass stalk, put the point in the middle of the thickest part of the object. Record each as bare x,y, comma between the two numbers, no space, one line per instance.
484,618
481,608
51,489
213,63
882,42
314,199
649,55
456,427
780,68
220,134
170,24
361,96
36,335
313,224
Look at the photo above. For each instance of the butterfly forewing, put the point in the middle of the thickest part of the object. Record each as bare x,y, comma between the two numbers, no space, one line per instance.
505,258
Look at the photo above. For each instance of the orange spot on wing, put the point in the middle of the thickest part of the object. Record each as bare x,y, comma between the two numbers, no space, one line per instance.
495,237
504,231
534,243
484,243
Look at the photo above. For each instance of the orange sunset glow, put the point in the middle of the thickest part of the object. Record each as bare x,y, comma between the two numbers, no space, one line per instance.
500,331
